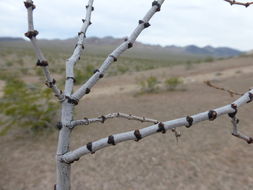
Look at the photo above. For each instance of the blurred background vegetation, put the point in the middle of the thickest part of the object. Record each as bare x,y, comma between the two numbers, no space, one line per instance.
26,104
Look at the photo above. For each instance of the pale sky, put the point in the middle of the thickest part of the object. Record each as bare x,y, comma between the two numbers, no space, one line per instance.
180,22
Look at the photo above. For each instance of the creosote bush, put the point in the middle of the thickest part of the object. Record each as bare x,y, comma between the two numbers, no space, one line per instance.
172,83
149,85
26,106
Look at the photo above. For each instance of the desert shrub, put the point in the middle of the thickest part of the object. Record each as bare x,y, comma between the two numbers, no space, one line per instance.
82,75
26,106
172,83
209,59
149,85
9,63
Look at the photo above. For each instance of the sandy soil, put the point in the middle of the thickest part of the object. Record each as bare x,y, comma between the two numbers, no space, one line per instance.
207,156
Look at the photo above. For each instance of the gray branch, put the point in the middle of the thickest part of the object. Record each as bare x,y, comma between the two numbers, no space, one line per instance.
137,135
70,77
144,23
103,118
236,133
42,62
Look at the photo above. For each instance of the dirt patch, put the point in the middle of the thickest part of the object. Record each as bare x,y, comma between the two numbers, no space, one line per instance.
207,156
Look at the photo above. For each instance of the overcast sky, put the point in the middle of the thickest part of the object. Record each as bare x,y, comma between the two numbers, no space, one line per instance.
180,22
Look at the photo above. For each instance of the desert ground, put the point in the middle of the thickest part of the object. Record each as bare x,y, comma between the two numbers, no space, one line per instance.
206,157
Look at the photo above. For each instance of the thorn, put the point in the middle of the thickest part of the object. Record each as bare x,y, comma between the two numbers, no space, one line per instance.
250,97
111,140
212,115
31,34
161,128
190,121
59,125
42,63
232,115
250,140
95,71
72,78
87,91
103,118
155,3
137,134
101,75
146,25
89,147
29,4
72,101
130,44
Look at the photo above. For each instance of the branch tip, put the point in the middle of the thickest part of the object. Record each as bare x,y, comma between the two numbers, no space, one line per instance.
29,4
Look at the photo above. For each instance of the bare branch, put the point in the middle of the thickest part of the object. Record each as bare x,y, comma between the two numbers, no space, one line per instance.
99,73
42,62
70,77
236,133
233,2
103,118
137,135
231,92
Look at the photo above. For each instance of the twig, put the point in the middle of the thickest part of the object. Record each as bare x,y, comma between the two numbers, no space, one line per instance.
235,122
233,2
70,77
42,62
236,133
138,134
103,118
231,93
99,73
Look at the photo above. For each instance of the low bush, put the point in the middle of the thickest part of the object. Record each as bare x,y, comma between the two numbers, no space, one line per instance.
26,106
149,85
172,83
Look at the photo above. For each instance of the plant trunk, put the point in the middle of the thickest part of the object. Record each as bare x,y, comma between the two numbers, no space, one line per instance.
63,169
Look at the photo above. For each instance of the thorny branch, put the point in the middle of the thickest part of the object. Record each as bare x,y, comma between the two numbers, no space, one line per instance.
231,92
70,77
236,133
233,2
99,73
42,62
103,118
162,127
235,122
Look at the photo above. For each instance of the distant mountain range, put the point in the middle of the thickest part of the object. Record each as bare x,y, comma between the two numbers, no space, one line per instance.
110,41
